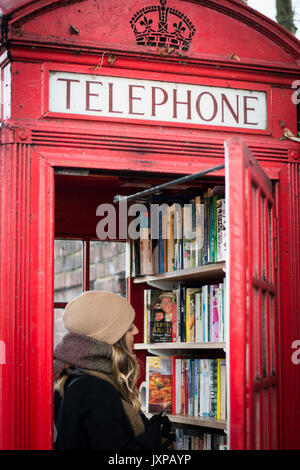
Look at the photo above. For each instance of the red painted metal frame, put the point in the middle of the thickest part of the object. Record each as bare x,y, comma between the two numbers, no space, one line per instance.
250,228
32,146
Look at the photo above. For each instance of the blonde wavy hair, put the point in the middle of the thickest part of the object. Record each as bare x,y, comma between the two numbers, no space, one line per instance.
125,369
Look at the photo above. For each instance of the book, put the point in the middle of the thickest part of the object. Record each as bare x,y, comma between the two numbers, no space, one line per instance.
213,388
190,313
171,240
159,384
221,231
181,235
214,313
146,263
204,388
223,394
160,315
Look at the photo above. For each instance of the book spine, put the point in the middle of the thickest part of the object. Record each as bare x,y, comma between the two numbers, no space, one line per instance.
213,388
182,386
196,387
178,386
210,230
182,314
174,317
187,316
223,389
146,320
198,231
171,241
219,388
215,243
193,234
205,247
147,382
197,317
173,373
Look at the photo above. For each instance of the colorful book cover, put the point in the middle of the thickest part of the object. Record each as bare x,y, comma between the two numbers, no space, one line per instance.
161,308
193,233
190,313
146,319
171,241
220,229
198,317
215,242
196,386
177,373
199,207
205,313
159,381
214,313
182,314
223,390
205,246
187,235
204,388
177,294
213,388
190,387
210,228
219,388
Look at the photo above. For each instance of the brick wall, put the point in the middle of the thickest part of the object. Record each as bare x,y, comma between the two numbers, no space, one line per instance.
107,272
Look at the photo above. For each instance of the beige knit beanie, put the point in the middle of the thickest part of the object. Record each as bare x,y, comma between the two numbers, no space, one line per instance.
101,315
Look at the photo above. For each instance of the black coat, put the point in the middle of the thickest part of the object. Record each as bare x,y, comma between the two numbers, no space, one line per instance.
91,416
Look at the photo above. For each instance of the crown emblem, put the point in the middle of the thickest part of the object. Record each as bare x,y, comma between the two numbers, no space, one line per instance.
162,26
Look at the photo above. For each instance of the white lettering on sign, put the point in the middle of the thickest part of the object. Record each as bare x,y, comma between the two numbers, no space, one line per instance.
128,98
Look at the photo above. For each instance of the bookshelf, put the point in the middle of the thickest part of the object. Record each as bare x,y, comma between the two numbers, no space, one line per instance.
191,349
208,272
212,272
211,423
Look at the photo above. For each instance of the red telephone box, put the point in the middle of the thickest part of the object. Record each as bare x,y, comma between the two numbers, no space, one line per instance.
154,90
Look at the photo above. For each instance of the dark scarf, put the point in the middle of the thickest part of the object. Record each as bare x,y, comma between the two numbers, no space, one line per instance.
93,357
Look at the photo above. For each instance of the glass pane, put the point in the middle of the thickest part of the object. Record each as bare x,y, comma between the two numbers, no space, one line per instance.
255,236
263,335
263,241
107,266
68,269
266,418
271,247
59,330
255,333
272,334
257,418
274,417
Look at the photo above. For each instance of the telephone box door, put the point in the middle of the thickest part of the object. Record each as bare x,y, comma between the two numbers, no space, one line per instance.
252,366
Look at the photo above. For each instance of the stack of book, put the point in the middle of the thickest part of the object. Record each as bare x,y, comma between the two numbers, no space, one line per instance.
199,387
181,235
189,387
185,314
193,439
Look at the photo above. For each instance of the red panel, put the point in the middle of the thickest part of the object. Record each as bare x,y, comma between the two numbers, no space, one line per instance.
253,394
236,29
26,254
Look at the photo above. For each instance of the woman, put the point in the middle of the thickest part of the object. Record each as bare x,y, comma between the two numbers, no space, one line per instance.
96,399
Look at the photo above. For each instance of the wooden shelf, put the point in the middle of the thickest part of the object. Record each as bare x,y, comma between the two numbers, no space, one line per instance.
196,421
168,280
175,346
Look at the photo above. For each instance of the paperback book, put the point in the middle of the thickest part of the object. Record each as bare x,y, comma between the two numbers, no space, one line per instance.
159,384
